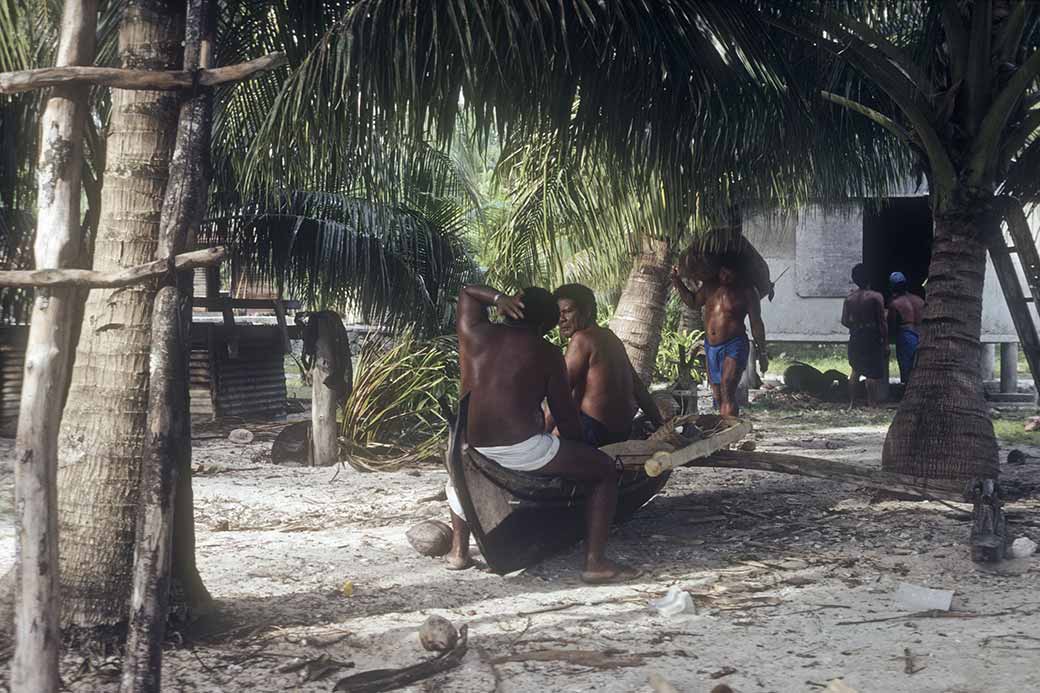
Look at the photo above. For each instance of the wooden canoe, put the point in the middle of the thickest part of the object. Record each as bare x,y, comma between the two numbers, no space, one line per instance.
519,519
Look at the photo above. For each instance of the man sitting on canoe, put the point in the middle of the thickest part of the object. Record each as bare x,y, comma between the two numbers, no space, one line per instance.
603,383
508,369
726,302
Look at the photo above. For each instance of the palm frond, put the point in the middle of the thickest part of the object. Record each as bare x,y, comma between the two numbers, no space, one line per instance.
631,82
393,265
28,38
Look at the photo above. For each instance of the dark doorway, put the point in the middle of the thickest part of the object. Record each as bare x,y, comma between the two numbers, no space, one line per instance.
897,236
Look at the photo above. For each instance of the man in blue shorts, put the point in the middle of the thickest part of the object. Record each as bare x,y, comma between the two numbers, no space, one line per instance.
727,302
905,315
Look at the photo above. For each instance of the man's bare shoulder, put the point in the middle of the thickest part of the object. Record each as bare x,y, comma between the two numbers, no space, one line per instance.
582,342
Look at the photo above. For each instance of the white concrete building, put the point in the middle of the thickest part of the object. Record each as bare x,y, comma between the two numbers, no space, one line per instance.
816,248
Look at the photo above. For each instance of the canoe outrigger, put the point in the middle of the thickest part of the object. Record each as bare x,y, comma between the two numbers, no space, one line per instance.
519,519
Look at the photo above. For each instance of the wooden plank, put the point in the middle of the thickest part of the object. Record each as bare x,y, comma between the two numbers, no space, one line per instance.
639,449
120,78
111,280
224,303
663,461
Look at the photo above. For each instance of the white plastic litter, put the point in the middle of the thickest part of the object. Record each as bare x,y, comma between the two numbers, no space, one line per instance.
241,436
923,598
677,601
1023,547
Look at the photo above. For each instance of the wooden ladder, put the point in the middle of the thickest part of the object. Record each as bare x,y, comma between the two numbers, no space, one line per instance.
1024,246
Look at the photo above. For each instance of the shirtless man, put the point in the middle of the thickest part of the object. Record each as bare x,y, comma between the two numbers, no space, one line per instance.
726,302
905,312
508,369
603,383
864,315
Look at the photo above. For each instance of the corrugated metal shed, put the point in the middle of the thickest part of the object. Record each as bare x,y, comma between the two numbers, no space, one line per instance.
247,384
12,363
246,370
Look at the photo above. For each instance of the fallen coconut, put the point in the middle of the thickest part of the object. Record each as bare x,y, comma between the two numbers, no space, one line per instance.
437,634
430,538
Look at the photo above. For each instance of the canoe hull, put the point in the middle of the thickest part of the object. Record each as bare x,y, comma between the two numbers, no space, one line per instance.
520,519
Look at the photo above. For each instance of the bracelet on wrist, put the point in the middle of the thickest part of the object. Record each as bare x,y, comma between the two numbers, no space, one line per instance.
494,301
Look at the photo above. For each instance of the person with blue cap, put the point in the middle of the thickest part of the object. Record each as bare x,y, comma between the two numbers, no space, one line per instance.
905,313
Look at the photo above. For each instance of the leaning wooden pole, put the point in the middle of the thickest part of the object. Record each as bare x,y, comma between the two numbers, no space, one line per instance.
168,443
37,638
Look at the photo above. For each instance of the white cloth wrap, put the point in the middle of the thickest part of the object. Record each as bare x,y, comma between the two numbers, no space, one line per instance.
526,456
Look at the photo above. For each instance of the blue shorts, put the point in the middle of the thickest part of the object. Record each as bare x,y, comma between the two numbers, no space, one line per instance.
906,352
736,348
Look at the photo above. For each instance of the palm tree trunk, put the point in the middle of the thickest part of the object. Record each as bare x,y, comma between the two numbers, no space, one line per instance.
942,430
640,313
102,434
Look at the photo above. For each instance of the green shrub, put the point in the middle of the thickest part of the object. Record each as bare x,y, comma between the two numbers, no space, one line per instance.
393,416
666,367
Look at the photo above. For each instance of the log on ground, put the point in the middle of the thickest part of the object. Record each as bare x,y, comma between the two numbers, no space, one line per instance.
941,489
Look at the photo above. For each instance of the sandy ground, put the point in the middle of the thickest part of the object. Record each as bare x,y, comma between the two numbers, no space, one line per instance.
794,582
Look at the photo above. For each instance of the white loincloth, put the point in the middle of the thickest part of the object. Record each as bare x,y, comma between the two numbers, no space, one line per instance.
526,456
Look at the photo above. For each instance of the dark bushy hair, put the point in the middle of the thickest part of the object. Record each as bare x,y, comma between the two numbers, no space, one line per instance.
540,310
860,276
582,297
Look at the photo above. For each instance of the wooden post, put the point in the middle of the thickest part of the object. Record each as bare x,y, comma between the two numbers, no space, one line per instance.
324,429
168,445
47,357
986,362
1009,367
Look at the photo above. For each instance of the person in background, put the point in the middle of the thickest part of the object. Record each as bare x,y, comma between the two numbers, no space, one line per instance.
864,316
726,302
905,313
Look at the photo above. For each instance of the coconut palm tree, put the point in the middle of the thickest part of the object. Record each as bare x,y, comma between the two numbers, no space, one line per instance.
956,82
389,242
570,217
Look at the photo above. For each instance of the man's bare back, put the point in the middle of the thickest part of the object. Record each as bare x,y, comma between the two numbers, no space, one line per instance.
908,310
509,370
864,308
863,313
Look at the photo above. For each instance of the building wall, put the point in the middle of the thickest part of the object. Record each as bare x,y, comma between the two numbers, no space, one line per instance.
815,249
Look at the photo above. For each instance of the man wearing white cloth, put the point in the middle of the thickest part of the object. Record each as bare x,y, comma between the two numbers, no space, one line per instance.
508,369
